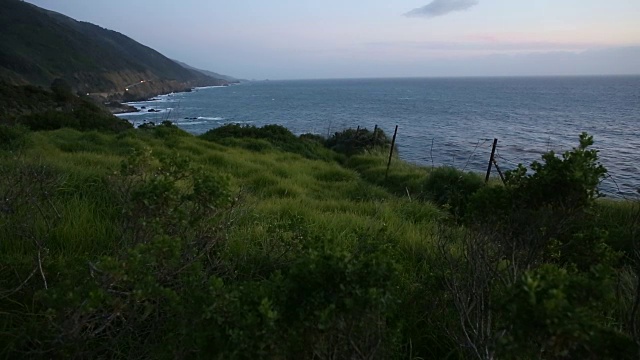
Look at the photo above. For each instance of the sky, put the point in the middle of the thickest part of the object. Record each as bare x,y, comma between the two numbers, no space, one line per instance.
305,39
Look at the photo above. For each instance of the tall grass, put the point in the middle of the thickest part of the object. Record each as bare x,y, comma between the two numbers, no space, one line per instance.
309,254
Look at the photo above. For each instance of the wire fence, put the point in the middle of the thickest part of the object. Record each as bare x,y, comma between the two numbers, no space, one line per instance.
475,156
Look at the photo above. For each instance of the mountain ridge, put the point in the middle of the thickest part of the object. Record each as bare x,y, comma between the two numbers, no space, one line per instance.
38,46
208,72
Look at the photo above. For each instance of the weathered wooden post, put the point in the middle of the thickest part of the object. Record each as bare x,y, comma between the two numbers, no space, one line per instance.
493,153
499,171
393,143
373,138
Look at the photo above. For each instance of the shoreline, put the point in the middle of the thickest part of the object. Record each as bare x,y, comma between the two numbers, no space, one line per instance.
130,109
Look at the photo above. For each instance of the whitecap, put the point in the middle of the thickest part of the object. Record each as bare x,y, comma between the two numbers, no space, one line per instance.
209,87
192,123
210,118
133,114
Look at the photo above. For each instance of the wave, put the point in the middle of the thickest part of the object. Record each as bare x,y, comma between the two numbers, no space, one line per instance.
240,122
191,123
133,114
209,87
210,118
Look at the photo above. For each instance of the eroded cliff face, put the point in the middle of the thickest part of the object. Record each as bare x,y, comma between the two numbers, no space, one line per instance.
134,85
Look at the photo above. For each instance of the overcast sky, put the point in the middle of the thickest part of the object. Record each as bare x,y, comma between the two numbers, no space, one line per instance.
294,39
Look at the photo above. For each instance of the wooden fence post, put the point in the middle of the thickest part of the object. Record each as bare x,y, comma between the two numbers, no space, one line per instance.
373,138
499,171
393,143
493,153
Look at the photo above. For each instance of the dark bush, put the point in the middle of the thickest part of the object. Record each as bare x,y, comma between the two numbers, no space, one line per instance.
81,116
548,212
12,137
164,130
279,136
62,90
356,141
313,137
450,187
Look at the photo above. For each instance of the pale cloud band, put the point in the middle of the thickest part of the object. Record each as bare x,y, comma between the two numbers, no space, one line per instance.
441,7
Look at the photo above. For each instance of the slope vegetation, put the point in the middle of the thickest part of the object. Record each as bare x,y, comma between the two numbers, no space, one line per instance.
38,46
250,243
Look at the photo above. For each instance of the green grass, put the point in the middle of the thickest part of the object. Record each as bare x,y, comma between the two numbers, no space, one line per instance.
318,248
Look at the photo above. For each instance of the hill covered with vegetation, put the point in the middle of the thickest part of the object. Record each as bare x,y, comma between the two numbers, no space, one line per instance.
38,46
38,109
212,74
256,243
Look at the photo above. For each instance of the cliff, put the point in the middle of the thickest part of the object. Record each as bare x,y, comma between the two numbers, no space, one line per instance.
38,46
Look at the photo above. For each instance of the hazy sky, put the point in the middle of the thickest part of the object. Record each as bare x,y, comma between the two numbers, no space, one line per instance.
288,39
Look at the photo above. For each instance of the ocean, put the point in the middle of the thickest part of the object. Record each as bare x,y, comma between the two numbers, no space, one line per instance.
441,121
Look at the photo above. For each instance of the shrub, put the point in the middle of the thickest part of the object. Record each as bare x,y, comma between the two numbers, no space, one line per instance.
341,302
567,182
550,206
453,188
12,137
279,136
164,130
83,116
357,141
153,290
313,137
556,313
62,90
533,276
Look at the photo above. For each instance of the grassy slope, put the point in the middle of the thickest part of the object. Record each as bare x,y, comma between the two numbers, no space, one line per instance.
277,189
286,203
274,182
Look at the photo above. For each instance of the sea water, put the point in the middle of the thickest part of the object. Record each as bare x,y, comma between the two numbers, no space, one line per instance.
441,121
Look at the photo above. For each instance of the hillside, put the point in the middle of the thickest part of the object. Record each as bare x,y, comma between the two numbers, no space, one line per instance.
39,109
253,243
38,46
209,73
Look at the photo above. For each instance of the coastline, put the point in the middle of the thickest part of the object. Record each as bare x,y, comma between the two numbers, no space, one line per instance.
134,108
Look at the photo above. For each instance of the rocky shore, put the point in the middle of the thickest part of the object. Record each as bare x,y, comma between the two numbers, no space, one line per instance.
119,108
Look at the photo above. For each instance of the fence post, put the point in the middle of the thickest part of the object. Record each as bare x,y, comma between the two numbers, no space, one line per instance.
393,143
493,153
499,171
373,138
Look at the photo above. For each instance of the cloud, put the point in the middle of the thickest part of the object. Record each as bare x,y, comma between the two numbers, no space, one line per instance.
441,7
490,44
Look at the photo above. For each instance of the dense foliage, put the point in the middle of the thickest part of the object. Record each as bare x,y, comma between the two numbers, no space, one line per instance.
357,141
38,109
255,243
268,137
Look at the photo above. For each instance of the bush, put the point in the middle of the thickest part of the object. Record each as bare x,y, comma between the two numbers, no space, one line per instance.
154,289
555,313
452,188
279,136
548,210
62,90
12,137
164,130
567,182
313,137
357,141
533,276
83,116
